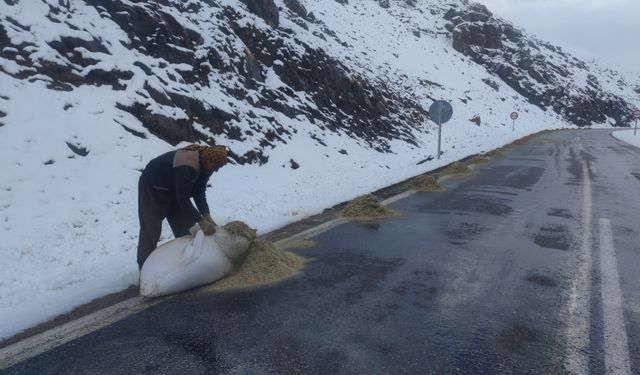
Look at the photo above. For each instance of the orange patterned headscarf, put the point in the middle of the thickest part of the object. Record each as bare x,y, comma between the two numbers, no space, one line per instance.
216,154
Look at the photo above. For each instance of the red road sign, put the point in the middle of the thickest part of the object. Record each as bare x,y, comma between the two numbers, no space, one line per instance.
635,114
514,115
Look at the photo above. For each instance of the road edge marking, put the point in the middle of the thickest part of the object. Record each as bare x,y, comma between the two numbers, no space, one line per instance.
579,314
38,344
54,337
616,343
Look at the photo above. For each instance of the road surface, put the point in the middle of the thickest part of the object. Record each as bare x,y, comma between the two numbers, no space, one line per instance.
528,266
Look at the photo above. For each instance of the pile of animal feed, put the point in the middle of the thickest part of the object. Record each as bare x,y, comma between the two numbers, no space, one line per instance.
367,207
263,264
497,152
456,168
238,228
425,183
478,159
524,140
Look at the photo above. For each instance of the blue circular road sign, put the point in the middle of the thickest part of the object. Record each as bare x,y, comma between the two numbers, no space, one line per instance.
440,112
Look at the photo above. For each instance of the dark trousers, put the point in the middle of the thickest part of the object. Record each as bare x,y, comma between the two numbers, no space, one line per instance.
153,207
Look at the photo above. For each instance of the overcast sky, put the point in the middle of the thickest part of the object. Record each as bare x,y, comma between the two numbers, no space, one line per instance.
608,30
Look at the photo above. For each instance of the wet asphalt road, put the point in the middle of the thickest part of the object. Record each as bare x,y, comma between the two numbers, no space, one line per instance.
501,274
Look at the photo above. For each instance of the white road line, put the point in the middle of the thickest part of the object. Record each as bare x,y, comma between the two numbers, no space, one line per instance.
398,197
72,330
579,314
616,346
48,340
312,232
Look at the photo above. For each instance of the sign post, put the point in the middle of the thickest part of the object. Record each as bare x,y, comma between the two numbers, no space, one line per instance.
514,117
635,114
440,112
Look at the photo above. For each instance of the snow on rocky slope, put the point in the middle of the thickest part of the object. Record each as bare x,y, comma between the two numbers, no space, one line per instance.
318,100
548,77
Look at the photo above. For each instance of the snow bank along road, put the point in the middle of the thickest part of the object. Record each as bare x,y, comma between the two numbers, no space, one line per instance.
527,266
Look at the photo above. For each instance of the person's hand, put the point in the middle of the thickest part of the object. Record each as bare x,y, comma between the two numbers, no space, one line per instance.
207,227
210,219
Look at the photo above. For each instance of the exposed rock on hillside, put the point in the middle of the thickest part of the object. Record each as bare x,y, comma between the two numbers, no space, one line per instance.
296,7
266,69
266,9
544,74
258,72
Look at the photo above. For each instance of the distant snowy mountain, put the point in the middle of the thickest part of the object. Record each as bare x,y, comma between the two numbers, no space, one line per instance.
548,77
212,70
318,100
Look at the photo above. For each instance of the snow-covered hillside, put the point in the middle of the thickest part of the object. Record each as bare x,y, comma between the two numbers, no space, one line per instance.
319,101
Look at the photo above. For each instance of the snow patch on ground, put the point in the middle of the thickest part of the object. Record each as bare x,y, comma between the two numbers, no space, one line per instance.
628,136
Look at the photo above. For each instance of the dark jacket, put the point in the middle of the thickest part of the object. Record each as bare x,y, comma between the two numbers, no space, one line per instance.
175,178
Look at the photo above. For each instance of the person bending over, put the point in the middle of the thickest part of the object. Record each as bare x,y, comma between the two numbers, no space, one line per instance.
165,189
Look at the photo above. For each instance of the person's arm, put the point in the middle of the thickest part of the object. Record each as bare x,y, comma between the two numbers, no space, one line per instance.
184,177
200,195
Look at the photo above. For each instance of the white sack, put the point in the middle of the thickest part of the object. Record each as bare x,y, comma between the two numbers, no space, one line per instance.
232,246
188,262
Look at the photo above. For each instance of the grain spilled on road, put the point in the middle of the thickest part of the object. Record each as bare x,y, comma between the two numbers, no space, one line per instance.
264,264
425,183
367,207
